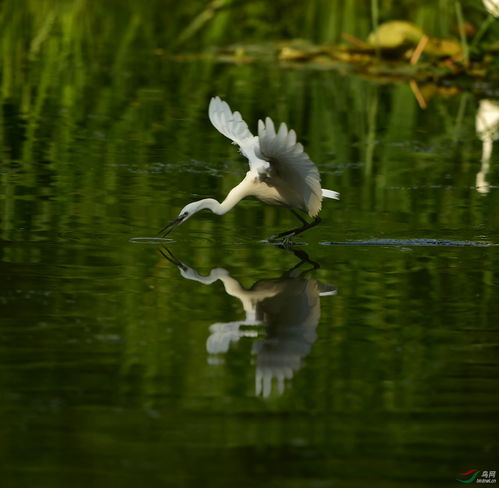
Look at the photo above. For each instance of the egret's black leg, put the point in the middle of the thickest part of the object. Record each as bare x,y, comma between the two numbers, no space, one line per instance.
299,217
300,254
298,230
303,257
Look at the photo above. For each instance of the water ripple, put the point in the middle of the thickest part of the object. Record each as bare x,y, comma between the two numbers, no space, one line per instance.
412,243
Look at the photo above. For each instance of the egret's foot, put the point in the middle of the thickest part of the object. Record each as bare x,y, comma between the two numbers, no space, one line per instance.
282,241
294,232
280,238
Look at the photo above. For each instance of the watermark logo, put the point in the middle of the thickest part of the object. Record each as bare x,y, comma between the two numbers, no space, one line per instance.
477,476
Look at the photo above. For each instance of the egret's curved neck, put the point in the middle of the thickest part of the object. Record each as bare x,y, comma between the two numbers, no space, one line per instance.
233,198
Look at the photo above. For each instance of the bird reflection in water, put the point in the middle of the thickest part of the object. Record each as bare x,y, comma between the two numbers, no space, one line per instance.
288,307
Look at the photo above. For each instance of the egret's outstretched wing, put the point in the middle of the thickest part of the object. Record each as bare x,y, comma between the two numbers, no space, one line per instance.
291,164
229,123
232,125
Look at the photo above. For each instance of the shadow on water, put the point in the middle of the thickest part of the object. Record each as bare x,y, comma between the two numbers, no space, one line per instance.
288,307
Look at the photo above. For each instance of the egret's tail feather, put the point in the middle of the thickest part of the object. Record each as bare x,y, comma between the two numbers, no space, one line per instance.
330,194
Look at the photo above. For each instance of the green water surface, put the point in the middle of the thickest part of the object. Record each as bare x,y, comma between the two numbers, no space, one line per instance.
366,355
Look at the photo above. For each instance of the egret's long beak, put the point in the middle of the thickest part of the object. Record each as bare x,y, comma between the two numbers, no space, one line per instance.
172,226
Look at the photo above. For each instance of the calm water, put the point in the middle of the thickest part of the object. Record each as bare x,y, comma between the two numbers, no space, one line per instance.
365,356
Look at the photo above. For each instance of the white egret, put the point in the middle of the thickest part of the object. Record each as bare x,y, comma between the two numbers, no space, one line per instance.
280,173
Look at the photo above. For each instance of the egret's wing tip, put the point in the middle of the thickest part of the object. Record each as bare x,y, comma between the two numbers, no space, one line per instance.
230,124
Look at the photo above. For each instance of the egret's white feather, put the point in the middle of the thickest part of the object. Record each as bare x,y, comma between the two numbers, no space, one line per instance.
330,194
229,123
292,172
232,125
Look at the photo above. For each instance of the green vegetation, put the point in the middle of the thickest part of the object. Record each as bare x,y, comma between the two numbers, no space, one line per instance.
104,136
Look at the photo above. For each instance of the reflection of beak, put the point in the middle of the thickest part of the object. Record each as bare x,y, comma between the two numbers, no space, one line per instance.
172,226
167,254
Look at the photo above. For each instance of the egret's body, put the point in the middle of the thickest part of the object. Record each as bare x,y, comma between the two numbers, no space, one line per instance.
280,173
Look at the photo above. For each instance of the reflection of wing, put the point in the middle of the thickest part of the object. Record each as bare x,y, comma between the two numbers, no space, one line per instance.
291,319
291,164
296,305
224,334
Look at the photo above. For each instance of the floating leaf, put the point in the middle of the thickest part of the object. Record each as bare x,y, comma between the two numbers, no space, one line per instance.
444,48
395,34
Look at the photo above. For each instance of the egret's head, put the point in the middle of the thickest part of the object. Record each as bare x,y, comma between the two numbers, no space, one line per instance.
188,211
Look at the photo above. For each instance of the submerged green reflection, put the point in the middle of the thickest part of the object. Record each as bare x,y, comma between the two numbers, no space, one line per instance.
106,377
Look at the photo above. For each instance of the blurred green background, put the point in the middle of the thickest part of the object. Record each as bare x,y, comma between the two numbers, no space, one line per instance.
105,374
